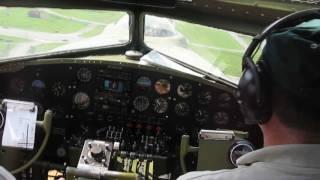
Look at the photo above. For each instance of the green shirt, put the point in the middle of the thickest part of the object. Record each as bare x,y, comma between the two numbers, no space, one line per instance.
282,162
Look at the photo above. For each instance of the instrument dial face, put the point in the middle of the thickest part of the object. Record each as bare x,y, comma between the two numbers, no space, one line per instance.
84,75
38,87
182,109
202,115
162,86
38,84
205,97
224,100
144,82
81,100
184,90
160,105
221,118
58,89
239,149
141,103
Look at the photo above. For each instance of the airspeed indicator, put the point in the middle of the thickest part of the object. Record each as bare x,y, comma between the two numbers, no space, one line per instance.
160,105
141,103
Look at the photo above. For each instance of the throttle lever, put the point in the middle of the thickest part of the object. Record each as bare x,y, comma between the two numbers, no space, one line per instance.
185,148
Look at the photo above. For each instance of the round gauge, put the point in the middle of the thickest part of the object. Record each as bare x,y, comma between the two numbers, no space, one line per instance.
205,97
221,118
38,86
144,82
58,89
201,115
182,109
162,86
81,100
160,105
141,103
224,100
184,90
84,75
17,85
239,149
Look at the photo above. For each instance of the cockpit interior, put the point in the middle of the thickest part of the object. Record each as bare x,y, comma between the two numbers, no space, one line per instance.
126,89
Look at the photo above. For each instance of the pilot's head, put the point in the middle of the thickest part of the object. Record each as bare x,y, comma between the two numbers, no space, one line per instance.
291,59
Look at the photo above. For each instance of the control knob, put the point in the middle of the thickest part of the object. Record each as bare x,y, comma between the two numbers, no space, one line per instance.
96,152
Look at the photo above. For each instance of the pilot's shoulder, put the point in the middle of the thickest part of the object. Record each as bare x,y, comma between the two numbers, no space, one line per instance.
221,174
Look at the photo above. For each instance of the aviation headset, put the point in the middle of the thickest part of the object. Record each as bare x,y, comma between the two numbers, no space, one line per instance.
254,91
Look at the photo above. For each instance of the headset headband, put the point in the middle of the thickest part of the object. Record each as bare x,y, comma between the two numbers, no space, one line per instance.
287,21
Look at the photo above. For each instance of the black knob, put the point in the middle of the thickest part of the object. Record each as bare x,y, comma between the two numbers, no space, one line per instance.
96,152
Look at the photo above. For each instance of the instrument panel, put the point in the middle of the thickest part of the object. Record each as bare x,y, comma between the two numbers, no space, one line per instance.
144,111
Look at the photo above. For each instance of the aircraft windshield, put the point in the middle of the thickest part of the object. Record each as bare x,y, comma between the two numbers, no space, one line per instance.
29,31
216,51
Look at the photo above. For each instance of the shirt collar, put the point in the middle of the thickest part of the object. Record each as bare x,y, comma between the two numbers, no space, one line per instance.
302,155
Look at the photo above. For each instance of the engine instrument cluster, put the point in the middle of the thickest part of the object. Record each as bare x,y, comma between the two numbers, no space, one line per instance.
142,111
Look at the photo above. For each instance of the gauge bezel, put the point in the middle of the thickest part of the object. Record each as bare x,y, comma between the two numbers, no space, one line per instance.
84,70
236,145
139,79
163,90
186,94
146,105
82,106
165,101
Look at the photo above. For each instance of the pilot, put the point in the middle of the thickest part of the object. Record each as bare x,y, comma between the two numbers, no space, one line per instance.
291,131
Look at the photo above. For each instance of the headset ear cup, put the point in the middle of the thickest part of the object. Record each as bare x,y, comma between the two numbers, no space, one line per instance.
247,96
265,93
252,94
254,90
